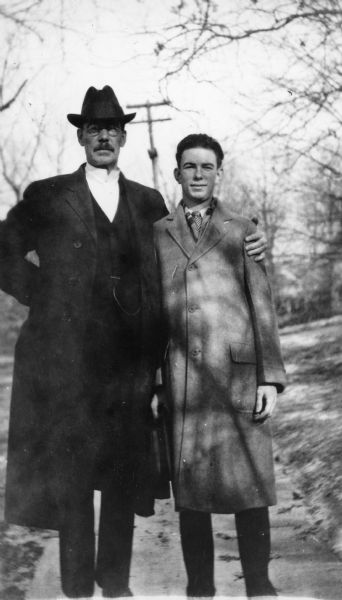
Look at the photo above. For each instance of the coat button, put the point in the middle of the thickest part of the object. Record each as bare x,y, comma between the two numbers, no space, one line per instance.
77,244
193,308
195,352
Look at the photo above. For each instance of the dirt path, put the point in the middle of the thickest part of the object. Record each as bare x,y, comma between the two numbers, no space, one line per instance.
301,566
308,433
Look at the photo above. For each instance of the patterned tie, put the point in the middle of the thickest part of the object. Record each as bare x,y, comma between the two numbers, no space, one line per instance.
197,221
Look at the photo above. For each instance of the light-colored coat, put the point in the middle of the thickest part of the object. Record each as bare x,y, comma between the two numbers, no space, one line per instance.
223,342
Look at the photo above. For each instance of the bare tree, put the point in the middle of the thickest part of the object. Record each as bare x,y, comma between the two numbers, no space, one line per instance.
19,17
307,85
18,161
25,23
323,220
300,122
21,21
261,196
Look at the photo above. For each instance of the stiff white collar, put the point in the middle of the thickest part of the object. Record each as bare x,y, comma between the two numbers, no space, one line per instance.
104,187
101,175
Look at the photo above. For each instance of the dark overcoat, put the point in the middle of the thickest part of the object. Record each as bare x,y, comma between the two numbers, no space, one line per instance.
223,343
49,454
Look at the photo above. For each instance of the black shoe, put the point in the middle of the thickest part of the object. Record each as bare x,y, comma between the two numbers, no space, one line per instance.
116,593
77,593
261,589
81,595
200,595
204,592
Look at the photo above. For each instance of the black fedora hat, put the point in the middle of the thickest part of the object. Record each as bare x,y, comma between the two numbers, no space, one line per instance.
100,105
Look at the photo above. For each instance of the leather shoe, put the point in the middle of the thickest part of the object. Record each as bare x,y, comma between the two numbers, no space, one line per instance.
201,593
116,593
261,590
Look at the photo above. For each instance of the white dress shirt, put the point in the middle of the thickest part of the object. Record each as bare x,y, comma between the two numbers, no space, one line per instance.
201,208
105,188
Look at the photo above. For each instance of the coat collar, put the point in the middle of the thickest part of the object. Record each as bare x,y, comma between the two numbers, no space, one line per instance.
132,192
79,198
217,228
179,230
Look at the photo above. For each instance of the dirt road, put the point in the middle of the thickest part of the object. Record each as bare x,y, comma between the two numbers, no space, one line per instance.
301,566
308,434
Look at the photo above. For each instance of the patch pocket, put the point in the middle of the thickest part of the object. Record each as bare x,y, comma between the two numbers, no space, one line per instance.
243,380
242,353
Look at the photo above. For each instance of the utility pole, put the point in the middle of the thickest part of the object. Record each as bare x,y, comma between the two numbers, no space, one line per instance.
152,152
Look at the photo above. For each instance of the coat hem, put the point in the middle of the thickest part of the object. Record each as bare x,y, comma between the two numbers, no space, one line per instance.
228,511
31,524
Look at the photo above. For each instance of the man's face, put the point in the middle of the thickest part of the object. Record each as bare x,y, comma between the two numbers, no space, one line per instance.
197,174
102,142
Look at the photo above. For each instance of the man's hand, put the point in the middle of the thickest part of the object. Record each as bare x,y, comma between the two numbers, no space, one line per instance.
265,402
155,407
256,245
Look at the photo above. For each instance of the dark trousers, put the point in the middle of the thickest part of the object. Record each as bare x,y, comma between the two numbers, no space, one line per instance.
79,570
253,533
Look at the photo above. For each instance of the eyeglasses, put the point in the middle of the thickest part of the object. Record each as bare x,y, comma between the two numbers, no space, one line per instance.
112,130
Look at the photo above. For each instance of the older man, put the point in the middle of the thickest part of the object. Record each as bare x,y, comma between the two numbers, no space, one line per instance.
86,356
223,369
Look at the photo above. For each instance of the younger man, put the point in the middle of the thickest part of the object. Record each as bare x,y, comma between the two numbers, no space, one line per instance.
222,373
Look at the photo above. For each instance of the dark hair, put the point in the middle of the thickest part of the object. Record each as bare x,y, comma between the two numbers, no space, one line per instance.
199,140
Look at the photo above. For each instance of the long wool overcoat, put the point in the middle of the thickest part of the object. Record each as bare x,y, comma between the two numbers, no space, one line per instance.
49,454
223,343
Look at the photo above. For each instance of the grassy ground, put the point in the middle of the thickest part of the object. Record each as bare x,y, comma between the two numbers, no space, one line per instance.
308,422
307,430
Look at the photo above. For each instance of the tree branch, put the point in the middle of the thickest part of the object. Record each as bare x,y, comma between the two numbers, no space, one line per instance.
9,102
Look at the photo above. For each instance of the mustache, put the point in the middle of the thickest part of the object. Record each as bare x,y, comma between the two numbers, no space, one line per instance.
104,147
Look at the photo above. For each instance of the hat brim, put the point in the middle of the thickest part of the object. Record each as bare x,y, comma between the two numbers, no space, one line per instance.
79,120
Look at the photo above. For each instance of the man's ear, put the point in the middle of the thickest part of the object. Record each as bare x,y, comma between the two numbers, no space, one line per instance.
80,136
123,139
177,174
219,173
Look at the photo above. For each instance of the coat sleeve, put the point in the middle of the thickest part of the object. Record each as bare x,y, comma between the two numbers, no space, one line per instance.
270,367
18,234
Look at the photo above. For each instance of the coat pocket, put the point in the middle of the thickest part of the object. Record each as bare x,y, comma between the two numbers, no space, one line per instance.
243,380
242,353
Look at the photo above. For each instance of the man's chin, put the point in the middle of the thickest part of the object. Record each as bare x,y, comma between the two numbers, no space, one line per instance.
103,162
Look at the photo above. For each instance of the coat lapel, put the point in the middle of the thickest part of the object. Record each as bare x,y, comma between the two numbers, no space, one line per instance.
79,198
138,202
215,231
131,194
178,229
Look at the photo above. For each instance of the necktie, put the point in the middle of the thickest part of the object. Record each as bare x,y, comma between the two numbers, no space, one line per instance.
197,220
